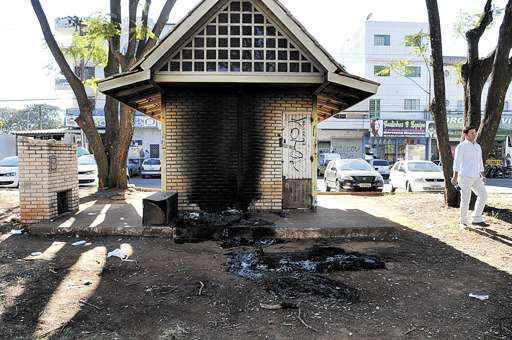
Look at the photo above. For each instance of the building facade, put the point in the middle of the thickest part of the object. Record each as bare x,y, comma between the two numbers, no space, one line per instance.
398,117
239,87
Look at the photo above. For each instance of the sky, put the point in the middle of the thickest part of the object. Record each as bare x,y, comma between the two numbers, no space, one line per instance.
28,79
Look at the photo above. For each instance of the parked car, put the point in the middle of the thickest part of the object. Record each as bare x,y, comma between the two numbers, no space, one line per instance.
382,166
352,174
81,151
133,166
87,170
325,158
416,176
150,167
9,170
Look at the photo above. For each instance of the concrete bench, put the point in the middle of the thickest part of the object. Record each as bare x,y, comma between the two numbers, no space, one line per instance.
159,209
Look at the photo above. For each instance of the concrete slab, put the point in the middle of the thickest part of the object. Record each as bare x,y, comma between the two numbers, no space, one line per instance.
99,216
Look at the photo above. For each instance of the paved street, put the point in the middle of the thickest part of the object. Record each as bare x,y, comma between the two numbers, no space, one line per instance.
495,185
154,183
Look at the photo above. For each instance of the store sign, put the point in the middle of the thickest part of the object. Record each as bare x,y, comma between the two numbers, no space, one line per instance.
398,128
99,120
456,122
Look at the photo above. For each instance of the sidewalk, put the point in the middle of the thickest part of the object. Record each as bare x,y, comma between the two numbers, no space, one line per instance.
124,218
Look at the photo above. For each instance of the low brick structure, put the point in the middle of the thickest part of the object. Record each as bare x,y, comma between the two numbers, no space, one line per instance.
48,179
227,148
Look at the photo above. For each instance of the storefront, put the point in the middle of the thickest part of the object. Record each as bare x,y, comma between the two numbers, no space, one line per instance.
397,139
455,126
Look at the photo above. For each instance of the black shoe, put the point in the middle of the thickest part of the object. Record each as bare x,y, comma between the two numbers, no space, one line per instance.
481,224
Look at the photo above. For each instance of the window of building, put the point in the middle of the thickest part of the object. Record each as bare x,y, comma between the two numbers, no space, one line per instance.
137,142
411,105
381,40
413,71
505,106
381,71
240,38
374,106
89,72
340,116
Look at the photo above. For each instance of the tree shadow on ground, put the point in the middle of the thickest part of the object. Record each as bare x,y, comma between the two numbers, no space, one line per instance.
493,235
184,290
39,277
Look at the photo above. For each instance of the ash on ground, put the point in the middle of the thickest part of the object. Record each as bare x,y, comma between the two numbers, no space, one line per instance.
297,274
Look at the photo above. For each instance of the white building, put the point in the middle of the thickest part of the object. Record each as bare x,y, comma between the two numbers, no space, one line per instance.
398,114
146,141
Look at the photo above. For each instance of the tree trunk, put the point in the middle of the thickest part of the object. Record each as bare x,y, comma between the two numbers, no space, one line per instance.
500,80
443,144
84,120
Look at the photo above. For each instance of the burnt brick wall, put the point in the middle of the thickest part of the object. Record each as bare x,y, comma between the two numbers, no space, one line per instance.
223,147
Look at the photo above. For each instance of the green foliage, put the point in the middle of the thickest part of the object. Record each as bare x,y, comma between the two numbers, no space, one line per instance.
90,41
30,118
142,32
418,43
419,47
468,21
457,67
92,83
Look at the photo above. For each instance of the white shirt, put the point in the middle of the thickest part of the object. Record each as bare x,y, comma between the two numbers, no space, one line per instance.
468,159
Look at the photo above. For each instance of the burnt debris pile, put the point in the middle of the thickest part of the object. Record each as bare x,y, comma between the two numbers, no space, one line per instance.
232,227
297,274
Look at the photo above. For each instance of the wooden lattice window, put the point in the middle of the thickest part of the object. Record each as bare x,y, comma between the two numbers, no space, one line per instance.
240,38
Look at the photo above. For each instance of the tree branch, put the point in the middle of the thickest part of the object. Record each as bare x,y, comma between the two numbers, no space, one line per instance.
142,43
159,26
69,74
414,81
132,25
473,35
120,58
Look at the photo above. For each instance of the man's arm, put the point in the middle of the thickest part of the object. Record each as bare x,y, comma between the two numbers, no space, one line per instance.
481,167
457,160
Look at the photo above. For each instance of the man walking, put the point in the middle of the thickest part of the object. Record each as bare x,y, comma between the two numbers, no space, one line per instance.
468,173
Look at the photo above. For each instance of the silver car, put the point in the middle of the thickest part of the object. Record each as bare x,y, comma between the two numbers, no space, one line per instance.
416,176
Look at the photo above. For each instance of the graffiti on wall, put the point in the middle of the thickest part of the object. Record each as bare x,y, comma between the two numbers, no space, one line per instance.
296,144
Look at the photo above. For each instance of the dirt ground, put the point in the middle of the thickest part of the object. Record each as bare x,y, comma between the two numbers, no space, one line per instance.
184,291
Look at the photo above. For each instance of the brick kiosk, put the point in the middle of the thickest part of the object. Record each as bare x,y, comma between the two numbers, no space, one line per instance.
48,179
239,87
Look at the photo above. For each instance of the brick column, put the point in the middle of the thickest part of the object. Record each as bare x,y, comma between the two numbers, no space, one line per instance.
46,168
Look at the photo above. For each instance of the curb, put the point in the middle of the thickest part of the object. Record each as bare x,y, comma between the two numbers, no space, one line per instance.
345,193
289,233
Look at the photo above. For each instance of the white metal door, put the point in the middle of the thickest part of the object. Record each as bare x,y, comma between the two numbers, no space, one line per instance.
297,146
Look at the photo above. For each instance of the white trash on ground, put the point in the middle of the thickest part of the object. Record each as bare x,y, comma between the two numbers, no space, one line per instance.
79,243
16,231
479,296
36,253
123,255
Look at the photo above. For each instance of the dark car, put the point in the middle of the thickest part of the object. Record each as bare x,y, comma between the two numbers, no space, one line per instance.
134,166
352,174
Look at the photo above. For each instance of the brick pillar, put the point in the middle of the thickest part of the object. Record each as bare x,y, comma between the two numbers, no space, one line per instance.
46,168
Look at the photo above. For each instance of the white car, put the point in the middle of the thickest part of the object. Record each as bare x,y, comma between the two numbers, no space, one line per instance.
352,174
382,166
416,176
150,167
9,170
87,170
